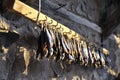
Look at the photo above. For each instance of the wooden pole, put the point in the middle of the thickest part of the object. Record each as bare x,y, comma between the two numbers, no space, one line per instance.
31,13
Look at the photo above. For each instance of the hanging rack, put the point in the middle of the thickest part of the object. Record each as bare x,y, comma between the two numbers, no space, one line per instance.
31,13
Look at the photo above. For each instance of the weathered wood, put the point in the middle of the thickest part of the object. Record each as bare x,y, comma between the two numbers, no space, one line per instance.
31,13
111,23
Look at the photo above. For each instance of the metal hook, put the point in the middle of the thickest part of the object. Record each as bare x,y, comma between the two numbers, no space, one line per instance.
43,21
70,32
51,22
55,25
67,32
60,28
75,35
45,18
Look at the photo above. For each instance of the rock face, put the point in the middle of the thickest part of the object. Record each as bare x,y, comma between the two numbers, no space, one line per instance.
93,10
17,59
85,8
13,64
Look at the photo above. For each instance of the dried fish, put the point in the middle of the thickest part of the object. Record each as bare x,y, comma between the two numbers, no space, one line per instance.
41,44
102,58
56,45
90,56
50,42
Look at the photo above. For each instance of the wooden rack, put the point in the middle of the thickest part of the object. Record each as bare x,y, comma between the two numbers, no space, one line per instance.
31,13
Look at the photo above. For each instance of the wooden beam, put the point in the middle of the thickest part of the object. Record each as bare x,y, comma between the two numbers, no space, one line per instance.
74,17
111,23
31,13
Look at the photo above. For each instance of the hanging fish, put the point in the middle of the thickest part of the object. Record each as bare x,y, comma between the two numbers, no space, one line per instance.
63,49
72,49
97,54
68,45
85,50
53,39
63,43
58,49
75,48
93,53
98,57
49,42
67,48
102,59
71,57
41,44
52,35
91,61
80,53
85,53
76,53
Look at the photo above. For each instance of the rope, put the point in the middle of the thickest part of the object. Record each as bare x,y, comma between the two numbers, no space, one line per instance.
39,10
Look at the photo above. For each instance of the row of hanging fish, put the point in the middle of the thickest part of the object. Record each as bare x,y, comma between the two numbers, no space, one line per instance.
56,45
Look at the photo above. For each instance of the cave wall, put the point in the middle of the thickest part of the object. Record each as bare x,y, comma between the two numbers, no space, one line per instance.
84,8
22,52
13,62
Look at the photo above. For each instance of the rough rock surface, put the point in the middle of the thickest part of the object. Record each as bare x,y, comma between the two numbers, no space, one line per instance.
17,60
81,7
12,62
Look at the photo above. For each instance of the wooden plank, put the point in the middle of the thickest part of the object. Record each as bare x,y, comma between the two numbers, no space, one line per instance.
31,13
111,23
74,17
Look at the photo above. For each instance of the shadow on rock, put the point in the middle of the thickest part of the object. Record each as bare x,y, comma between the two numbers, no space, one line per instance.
7,39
